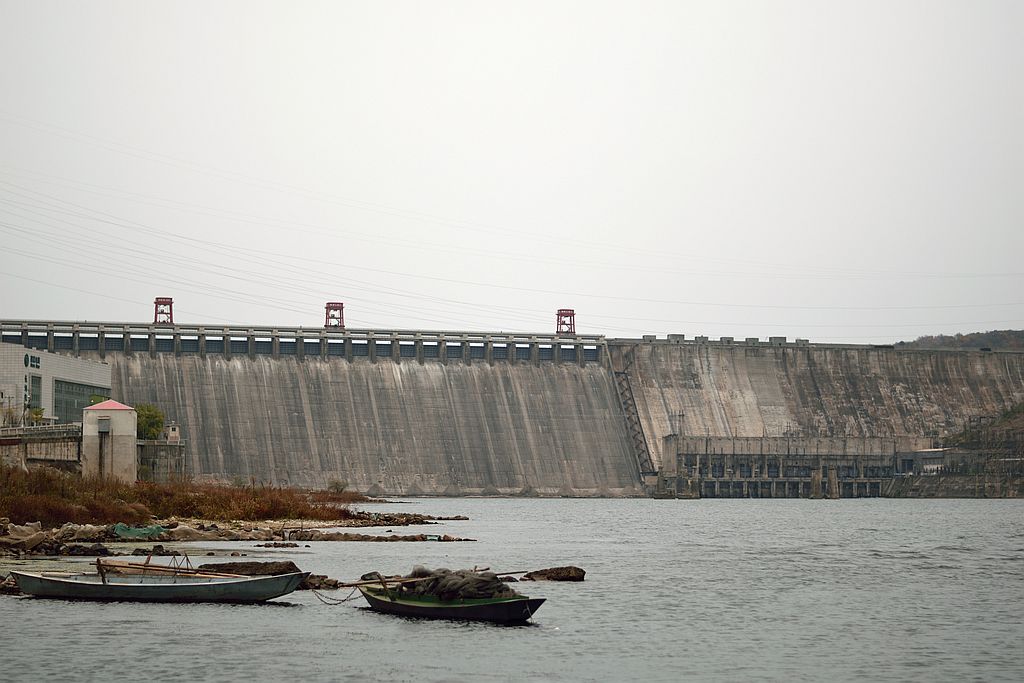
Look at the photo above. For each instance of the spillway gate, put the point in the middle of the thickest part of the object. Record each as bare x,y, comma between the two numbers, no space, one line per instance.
782,467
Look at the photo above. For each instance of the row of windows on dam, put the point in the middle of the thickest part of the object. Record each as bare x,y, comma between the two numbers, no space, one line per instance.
350,348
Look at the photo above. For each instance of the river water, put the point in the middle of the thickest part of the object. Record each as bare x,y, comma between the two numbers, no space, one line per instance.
723,590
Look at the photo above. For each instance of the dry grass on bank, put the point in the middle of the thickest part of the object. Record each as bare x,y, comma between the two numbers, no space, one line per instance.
53,498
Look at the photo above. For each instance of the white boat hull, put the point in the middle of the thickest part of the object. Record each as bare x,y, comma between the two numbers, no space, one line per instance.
172,588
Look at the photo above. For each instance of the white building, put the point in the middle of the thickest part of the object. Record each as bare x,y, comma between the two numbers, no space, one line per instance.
61,385
109,443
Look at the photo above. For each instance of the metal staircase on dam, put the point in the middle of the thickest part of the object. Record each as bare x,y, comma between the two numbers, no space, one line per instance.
633,426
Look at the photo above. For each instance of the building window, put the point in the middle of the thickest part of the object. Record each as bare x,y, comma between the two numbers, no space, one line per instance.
69,398
35,396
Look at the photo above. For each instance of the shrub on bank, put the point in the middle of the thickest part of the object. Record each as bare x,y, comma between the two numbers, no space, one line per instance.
337,497
53,498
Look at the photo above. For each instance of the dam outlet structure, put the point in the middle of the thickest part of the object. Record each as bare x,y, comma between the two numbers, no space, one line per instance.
417,412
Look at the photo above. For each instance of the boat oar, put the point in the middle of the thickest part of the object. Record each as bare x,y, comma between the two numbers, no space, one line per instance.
143,568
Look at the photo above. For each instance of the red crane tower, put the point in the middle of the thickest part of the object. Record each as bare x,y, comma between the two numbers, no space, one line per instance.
334,314
565,321
163,310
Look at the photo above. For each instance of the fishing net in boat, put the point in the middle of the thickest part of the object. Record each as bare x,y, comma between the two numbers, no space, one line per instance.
446,584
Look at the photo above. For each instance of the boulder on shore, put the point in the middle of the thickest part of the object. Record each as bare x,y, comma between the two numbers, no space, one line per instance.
313,581
252,568
556,574
81,532
186,533
9,586
156,551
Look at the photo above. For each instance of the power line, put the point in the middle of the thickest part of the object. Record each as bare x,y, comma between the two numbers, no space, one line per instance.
518,288
305,193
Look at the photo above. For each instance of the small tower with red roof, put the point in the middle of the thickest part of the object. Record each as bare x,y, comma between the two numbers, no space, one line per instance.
109,442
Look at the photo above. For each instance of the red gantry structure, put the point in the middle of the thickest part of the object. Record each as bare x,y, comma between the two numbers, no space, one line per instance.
334,314
565,321
163,310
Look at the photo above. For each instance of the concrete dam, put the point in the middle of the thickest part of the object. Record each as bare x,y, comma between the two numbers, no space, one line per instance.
453,413
801,390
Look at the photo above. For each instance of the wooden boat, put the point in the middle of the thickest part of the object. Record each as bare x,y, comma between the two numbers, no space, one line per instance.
158,587
179,567
517,609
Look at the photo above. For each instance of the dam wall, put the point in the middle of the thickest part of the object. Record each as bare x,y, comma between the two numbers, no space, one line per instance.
389,427
779,389
405,412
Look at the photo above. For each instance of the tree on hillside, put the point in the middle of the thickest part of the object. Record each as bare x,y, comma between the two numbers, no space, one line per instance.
151,421
993,339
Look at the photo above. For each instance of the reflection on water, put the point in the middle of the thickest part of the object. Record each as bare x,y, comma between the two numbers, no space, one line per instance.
713,589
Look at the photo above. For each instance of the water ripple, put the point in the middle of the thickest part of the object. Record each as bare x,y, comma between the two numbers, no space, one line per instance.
709,590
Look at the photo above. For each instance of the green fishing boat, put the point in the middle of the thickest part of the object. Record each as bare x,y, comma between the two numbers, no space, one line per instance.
515,609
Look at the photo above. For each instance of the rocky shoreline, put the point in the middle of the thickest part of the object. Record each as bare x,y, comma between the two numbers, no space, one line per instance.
84,540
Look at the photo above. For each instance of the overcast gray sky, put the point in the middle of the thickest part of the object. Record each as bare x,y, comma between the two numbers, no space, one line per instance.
830,170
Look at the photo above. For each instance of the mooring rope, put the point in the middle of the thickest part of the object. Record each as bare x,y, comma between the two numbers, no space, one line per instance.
328,600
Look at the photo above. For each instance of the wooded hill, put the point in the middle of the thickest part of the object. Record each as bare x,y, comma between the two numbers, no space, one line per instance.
996,340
